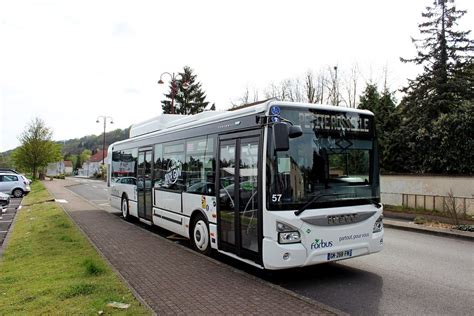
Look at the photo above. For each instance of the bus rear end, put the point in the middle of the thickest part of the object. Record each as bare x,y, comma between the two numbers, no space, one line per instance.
322,194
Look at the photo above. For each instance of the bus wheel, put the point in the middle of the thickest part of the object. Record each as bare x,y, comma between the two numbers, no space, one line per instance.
124,208
200,235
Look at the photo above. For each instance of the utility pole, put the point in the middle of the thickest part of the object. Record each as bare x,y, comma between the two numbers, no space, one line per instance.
104,118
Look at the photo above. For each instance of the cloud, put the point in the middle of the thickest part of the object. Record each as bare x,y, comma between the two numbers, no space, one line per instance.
124,30
131,91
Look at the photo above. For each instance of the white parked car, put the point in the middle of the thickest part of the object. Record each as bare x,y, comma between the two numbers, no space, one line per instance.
4,201
14,184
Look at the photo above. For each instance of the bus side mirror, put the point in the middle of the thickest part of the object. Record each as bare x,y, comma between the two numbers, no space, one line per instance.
295,131
280,136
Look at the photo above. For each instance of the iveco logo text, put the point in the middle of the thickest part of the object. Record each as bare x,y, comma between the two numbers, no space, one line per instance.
319,244
342,219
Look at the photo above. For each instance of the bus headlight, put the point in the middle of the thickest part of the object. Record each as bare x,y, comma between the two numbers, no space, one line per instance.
378,226
287,234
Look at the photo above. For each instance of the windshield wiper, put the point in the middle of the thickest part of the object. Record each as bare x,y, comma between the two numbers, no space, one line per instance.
314,199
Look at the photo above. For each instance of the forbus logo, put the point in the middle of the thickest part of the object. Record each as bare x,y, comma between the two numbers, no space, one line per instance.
320,244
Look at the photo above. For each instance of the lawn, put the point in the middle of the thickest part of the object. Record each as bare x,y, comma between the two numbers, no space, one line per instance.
50,267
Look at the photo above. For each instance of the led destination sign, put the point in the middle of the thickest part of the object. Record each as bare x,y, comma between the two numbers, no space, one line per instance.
341,122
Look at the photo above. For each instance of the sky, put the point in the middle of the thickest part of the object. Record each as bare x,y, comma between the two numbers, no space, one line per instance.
69,62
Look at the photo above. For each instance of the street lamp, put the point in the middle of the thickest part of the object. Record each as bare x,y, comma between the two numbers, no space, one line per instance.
173,76
104,118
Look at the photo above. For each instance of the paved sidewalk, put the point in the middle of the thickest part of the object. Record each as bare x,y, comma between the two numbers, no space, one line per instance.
172,279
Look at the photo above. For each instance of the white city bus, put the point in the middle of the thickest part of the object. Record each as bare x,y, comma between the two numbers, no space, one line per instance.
307,180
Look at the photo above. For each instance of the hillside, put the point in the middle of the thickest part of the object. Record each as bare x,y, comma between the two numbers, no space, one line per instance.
92,142
75,146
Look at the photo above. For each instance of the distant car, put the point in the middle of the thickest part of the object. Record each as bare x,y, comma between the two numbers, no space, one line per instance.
4,201
7,170
14,184
126,180
201,188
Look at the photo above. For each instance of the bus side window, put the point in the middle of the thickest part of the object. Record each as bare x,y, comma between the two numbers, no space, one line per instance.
200,165
169,172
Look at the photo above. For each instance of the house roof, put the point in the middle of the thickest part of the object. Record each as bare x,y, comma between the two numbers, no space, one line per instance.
98,156
67,163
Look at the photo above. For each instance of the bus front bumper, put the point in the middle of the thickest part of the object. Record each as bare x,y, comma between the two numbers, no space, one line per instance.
283,256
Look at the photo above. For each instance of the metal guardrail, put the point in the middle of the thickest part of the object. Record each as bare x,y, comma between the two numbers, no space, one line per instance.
435,202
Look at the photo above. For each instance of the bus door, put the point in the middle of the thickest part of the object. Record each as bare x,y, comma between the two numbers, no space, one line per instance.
144,183
239,209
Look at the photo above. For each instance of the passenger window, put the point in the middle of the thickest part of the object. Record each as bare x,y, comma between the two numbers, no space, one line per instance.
124,164
169,165
200,166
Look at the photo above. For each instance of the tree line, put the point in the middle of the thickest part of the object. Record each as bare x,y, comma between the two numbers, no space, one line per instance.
429,131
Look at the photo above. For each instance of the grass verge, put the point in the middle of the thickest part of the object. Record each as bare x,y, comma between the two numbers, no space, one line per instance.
50,267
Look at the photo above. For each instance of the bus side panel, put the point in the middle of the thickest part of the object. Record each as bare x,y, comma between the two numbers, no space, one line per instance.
170,221
206,204
169,201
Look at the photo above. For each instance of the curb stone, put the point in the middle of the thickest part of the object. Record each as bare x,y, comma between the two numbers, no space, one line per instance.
428,230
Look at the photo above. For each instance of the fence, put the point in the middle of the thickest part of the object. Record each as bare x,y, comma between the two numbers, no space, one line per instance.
428,192
437,202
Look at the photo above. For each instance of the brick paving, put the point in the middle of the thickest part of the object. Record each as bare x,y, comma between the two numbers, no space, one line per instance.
172,279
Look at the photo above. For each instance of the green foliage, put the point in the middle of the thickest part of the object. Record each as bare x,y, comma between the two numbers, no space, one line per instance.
5,161
444,52
420,220
186,101
79,289
37,149
76,146
85,155
386,121
435,134
466,228
92,267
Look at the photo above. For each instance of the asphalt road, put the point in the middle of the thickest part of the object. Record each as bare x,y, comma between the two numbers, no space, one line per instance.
415,273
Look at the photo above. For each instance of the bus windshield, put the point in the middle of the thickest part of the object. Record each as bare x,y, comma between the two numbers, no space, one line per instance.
334,162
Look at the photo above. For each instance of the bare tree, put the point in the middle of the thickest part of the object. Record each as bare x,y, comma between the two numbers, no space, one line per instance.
350,86
246,98
310,87
332,86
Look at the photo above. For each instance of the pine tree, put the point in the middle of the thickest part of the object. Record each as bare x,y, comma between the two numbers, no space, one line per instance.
442,92
188,95
383,107
444,53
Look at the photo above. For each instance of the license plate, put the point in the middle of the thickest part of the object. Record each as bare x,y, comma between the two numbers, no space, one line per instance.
340,254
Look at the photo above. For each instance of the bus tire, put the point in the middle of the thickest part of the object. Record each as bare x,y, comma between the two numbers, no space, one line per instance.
200,239
124,208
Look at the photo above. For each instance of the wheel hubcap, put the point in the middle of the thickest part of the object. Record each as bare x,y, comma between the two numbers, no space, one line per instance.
124,208
201,234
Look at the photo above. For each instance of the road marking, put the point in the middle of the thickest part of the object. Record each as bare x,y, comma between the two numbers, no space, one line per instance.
105,189
94,186
61,201
3,231
5,221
